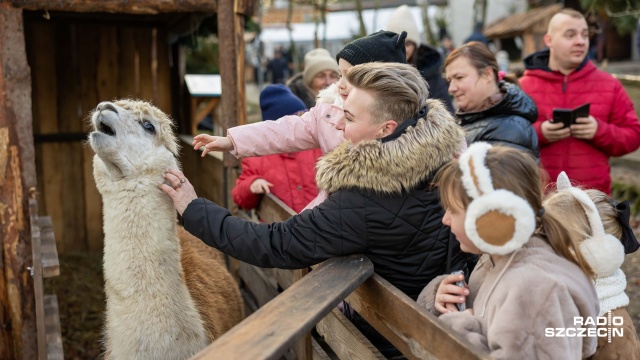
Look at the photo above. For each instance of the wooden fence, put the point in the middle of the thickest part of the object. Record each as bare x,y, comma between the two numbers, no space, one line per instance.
287,304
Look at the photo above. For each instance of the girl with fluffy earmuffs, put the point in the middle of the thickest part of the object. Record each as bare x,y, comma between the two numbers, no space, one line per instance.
601,229
530,277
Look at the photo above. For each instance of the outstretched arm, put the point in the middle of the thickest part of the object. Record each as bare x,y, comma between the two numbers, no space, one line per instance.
287,134
302,240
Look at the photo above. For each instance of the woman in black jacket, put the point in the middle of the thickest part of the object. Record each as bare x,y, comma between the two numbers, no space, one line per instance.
490,108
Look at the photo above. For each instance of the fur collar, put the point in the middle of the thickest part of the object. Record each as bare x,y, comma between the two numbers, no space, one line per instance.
394,166
330,95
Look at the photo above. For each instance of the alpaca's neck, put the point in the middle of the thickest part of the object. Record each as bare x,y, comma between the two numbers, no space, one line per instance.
139,221
143,276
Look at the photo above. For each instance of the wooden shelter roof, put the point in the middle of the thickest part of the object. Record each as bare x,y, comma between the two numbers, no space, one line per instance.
516,24
138,7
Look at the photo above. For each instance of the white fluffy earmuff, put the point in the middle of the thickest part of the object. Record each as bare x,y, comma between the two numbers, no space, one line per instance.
603,252
497,221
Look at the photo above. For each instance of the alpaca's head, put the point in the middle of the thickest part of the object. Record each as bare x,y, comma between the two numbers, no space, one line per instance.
131,139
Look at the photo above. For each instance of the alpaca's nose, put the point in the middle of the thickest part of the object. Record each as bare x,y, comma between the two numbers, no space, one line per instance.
105,105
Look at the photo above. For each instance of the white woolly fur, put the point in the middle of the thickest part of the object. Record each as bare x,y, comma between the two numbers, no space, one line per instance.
507,203
143,275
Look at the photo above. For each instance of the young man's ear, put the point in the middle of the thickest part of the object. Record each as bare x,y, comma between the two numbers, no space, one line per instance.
547,40
387,128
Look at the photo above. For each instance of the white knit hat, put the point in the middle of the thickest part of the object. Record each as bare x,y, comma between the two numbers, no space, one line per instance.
402,20
315,61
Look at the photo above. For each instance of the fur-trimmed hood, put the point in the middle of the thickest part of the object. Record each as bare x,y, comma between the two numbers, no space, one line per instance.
394,166
330,95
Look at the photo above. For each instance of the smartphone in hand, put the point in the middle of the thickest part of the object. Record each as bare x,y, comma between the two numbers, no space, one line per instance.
462,284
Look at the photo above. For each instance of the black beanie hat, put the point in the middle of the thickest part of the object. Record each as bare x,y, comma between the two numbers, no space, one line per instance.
382,46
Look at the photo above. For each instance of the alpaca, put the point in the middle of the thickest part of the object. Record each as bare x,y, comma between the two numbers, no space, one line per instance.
168,295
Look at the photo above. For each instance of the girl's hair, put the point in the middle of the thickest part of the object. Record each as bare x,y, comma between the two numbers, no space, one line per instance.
480,57
516,171
399,89
563,203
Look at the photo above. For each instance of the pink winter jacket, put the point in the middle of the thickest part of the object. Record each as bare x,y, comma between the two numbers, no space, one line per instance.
315,128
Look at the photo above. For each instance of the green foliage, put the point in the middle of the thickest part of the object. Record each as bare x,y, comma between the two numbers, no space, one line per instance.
624,24
621,192
202,46
203,57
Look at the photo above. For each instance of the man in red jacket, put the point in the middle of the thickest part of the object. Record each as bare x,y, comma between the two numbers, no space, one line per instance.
563,77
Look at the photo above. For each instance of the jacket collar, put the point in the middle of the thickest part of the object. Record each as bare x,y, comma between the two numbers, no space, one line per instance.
397,165
540,61
514,102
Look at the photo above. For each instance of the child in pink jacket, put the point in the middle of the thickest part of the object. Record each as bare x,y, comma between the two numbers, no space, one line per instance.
317,127
289,176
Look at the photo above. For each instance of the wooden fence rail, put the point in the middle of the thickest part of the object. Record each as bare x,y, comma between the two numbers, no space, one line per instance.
283,319
270,331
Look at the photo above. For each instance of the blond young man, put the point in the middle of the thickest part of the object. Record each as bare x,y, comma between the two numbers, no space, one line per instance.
381,201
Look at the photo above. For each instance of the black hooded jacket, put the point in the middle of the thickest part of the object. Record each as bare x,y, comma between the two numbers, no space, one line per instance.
509,122
301,90
429,62
380,205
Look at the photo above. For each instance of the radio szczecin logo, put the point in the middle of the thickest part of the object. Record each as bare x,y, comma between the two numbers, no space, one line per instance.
607,326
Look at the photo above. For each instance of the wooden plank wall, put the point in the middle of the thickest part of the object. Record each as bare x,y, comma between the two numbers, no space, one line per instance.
74,66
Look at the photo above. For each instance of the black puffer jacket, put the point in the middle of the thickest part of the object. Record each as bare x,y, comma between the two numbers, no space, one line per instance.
509,122
429,62
379,205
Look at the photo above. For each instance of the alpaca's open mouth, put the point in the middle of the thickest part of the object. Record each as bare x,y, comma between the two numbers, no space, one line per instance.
105,129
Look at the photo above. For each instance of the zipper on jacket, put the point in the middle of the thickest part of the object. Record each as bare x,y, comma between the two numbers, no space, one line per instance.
564,84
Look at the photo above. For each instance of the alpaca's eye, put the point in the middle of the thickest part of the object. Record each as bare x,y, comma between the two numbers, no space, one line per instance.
148,127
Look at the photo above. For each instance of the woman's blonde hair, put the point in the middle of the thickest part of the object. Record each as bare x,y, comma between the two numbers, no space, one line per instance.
564,204
518,172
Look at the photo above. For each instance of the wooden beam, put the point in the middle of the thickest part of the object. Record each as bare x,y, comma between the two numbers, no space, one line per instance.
38,286
147,7
415,332
17,299
275,327
49,250
231,60
52,328
272,209
345,339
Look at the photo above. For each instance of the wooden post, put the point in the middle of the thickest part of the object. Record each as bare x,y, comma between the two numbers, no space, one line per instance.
231,57
17,176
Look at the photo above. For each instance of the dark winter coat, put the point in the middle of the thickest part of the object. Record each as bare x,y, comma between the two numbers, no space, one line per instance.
380,205
300,89
429,62
585,161
509,122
